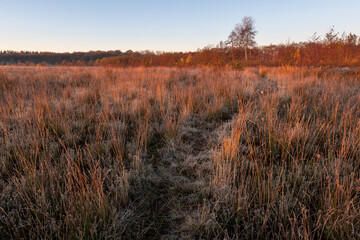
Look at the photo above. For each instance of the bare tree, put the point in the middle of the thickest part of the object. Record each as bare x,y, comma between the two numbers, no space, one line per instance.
331,36
243,35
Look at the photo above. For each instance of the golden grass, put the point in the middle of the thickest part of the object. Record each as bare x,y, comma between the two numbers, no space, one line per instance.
97,153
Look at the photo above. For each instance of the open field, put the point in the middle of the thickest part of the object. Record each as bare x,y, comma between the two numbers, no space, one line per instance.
165,153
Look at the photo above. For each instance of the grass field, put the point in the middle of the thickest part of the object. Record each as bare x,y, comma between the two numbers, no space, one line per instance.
162,153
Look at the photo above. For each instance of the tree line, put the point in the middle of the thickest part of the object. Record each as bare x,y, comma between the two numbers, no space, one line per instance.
239,50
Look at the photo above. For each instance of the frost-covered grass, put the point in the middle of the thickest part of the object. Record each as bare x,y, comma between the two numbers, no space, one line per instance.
139,153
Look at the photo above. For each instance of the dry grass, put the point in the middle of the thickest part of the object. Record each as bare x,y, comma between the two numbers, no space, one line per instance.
96,153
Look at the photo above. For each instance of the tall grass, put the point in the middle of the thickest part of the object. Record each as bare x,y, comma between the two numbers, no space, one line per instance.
291,160
101,153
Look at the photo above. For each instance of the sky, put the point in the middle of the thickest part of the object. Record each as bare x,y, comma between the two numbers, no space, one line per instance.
164,25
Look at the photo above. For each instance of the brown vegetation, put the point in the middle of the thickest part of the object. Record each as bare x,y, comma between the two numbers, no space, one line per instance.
139,153
240,51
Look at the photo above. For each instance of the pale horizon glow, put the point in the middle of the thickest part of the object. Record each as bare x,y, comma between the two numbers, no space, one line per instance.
164,25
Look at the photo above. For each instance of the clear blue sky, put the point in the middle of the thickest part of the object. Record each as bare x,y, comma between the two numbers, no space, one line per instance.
168,25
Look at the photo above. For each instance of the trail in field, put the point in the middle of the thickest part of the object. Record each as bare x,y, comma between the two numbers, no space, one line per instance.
180,183
183,167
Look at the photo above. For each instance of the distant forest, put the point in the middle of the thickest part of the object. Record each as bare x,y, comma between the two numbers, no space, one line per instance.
332,50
